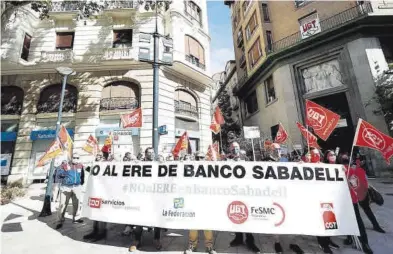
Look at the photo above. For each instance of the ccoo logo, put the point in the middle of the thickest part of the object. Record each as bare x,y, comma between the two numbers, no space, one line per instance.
95,202
237,212
373,138
317,118
133,119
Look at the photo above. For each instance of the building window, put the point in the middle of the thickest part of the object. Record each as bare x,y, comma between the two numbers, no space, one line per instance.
120,95
11,100
236,18
65,40
252,103
251,26
269,40
269,90
26,47
186,104
192,10
122,38
195,53
274,130
265,12
255,53
246,6
49,101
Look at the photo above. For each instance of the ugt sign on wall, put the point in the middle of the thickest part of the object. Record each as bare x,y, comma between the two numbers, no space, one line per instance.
309,26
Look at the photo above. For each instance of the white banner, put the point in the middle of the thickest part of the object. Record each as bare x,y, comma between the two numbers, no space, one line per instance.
251,132
256,197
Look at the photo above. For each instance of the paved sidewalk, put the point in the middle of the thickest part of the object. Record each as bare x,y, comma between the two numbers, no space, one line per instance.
23,232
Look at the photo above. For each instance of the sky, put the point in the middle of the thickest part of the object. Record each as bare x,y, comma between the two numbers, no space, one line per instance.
220,29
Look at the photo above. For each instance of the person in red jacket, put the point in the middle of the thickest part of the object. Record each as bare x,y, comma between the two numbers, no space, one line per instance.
358,186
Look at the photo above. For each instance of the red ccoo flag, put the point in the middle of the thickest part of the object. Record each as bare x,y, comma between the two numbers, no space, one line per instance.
182,144
311,139
368,136
322,120
281,136
215,127
219,119
133,119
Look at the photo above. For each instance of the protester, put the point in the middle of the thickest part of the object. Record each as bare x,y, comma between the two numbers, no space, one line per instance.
127,157
72,179
128,229
358,188
193,235
238,240
137,243
57,180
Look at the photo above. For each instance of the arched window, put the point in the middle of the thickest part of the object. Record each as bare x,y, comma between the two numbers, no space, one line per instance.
49,101
11,100
194,51
120,95
185,103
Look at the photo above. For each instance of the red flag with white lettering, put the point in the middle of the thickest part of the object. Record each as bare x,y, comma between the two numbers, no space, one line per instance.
322,120
311,139
368,136
281,136
133,119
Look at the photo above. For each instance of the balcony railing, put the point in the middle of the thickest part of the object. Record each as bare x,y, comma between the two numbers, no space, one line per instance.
186,109
114,103
110,5
65,6
71,6
326,25
58,56
194,61
118,54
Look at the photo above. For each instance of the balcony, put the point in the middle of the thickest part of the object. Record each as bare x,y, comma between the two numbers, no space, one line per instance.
240,39
118,54
242,60
64,10
195,61
331,23
186,111
119,103
120,8
58,56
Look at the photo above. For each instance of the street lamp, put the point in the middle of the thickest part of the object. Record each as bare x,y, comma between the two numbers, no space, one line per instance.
46,209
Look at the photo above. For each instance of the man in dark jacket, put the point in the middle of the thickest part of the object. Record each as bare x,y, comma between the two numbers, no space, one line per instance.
72,179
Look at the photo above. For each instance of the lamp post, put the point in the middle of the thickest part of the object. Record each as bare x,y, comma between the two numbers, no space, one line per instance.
46,209
155,5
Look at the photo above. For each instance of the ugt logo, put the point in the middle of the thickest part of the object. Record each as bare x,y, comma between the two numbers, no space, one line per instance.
178,203
237,212
329,218
317,117
95,202
373,138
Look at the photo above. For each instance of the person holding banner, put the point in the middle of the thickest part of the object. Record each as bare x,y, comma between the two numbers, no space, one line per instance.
238,240
138,231
357,183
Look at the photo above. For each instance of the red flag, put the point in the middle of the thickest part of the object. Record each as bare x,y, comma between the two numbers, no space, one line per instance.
368,136
133,119
311,139
182,144
211,153
281,136
66,141
52,152
322,120
91,145
215,127
219,119
108,144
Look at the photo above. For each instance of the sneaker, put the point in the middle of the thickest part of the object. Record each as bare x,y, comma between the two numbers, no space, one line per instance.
367,249
190,250
278,248
379,229
236,242
90,236
134,247
98,237
127,231
210,250
252,247
348,241
157,244
295,248
77,221
333,245
59,226
326,249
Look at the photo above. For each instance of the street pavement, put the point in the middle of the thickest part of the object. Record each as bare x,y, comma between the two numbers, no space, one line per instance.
24,232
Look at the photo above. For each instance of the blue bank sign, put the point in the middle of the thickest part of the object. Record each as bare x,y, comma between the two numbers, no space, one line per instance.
8,136
47,134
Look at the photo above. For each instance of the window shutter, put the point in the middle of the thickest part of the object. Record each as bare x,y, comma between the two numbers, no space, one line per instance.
116,36
194,47
64,40
187,45
26,42
201,55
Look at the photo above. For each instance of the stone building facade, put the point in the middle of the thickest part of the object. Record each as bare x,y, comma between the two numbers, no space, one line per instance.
110,80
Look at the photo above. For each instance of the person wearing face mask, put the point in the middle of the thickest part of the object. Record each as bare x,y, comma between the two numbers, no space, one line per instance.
358,188
238,240
72,179
149,156
193,234
325,243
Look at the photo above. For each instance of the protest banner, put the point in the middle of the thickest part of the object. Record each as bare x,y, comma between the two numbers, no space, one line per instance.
256,197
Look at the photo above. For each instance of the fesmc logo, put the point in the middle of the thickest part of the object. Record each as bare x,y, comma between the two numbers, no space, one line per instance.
317,117
274,212
178,205
373,138
329,217
237,212
98,202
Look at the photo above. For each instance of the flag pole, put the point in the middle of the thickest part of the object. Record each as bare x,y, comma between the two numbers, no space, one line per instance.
253,150
308,143
354,139
220,148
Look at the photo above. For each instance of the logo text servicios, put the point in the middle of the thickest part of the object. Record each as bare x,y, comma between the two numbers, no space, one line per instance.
98,202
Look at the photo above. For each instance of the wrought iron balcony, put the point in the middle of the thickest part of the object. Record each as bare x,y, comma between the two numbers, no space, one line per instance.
239,39
115,103
57,56
118,54
73,6
111,5
195,61
52,106
330,23
11,108
65,6
186,109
